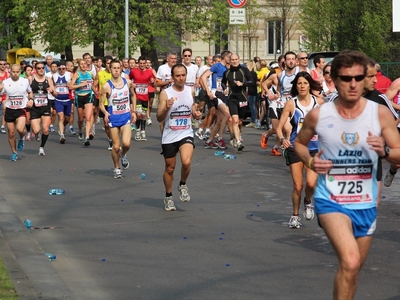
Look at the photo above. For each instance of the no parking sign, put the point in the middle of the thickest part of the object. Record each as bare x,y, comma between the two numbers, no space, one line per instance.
237,3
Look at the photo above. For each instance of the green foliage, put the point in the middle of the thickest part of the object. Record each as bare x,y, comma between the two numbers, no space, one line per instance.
363,25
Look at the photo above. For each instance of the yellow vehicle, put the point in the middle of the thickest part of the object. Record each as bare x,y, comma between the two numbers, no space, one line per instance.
14,56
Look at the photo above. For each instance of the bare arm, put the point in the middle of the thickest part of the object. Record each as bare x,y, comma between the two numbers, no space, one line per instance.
286,113
389,134
104,94
164,105
203,81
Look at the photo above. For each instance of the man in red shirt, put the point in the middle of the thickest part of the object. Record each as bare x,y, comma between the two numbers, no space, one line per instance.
383,82
141,78
3,76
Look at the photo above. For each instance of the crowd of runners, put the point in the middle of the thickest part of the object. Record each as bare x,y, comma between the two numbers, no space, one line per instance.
329,123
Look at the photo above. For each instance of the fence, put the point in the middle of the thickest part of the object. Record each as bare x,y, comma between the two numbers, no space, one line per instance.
391,69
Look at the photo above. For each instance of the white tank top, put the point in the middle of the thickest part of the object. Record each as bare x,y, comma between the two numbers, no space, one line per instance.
352,181
16,92
286,82
178,122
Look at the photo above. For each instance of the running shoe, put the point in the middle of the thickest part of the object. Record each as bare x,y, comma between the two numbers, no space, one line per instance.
133,126
143,136
38,137
87,142
221,144
184,194
233,143
3,130
94,129
251,125
169,204
308,211
41,151
98,120
275,152
294,222
14,156
72,131
149,122
124,162
80,136
199,134
62,139
210,145
52,128
110,144
28,136
206,135
138,137
21,145
91,136
264,141
387,181
117,173
240,146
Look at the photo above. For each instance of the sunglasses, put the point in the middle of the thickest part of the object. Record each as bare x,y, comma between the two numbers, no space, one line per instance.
187,56
327,72
302,58
345,78
39,68
61,68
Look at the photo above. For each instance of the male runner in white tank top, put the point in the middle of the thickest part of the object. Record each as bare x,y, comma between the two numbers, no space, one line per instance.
175,110
350,131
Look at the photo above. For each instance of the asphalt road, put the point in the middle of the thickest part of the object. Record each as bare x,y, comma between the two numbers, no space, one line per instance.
113,239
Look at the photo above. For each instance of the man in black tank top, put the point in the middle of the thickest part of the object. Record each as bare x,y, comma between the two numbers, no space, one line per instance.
41,109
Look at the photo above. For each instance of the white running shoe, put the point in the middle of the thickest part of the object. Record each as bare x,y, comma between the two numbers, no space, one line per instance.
308,211
117,173
149,122
169,204
143,135
41,151
184,195
199,134
138,136
294,222
387,181
124,162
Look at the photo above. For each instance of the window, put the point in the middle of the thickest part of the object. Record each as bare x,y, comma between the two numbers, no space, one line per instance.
274,37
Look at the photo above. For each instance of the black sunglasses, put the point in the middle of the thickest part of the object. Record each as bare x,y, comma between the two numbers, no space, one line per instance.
327,72
303,57
346,78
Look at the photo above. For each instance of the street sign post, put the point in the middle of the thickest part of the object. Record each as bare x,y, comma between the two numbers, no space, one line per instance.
237,3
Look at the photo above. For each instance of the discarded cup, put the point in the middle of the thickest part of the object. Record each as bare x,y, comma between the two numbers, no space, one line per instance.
219,153
28,224
56,192
50,256
143,176
230,156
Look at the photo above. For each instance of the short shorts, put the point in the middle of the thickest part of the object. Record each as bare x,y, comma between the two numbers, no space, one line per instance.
64,107
274,113
363,220
12,115
292,158
237,107
170,150
82,100
38,112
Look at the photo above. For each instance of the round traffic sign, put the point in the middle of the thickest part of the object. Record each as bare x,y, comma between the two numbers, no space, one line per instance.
237,3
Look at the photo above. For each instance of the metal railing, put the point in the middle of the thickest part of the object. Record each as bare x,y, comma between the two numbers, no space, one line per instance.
391,69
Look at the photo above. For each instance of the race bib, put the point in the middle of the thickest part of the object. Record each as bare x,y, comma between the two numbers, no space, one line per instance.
16,102
350,184
142,89
218,82
120,106
40,100
180,120
62,90
191,84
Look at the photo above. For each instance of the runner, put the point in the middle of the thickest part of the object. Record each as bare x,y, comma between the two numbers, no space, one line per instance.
142,78
62,102
70,68
82,84
296,109
42,86
349,132
237,78
118,114
175,110
49,75
151,92
3,76
101,78
17,91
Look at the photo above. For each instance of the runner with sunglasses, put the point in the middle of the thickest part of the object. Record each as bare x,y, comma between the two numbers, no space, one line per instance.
350,131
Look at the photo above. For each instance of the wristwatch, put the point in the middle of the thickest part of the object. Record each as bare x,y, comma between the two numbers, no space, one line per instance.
387,151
